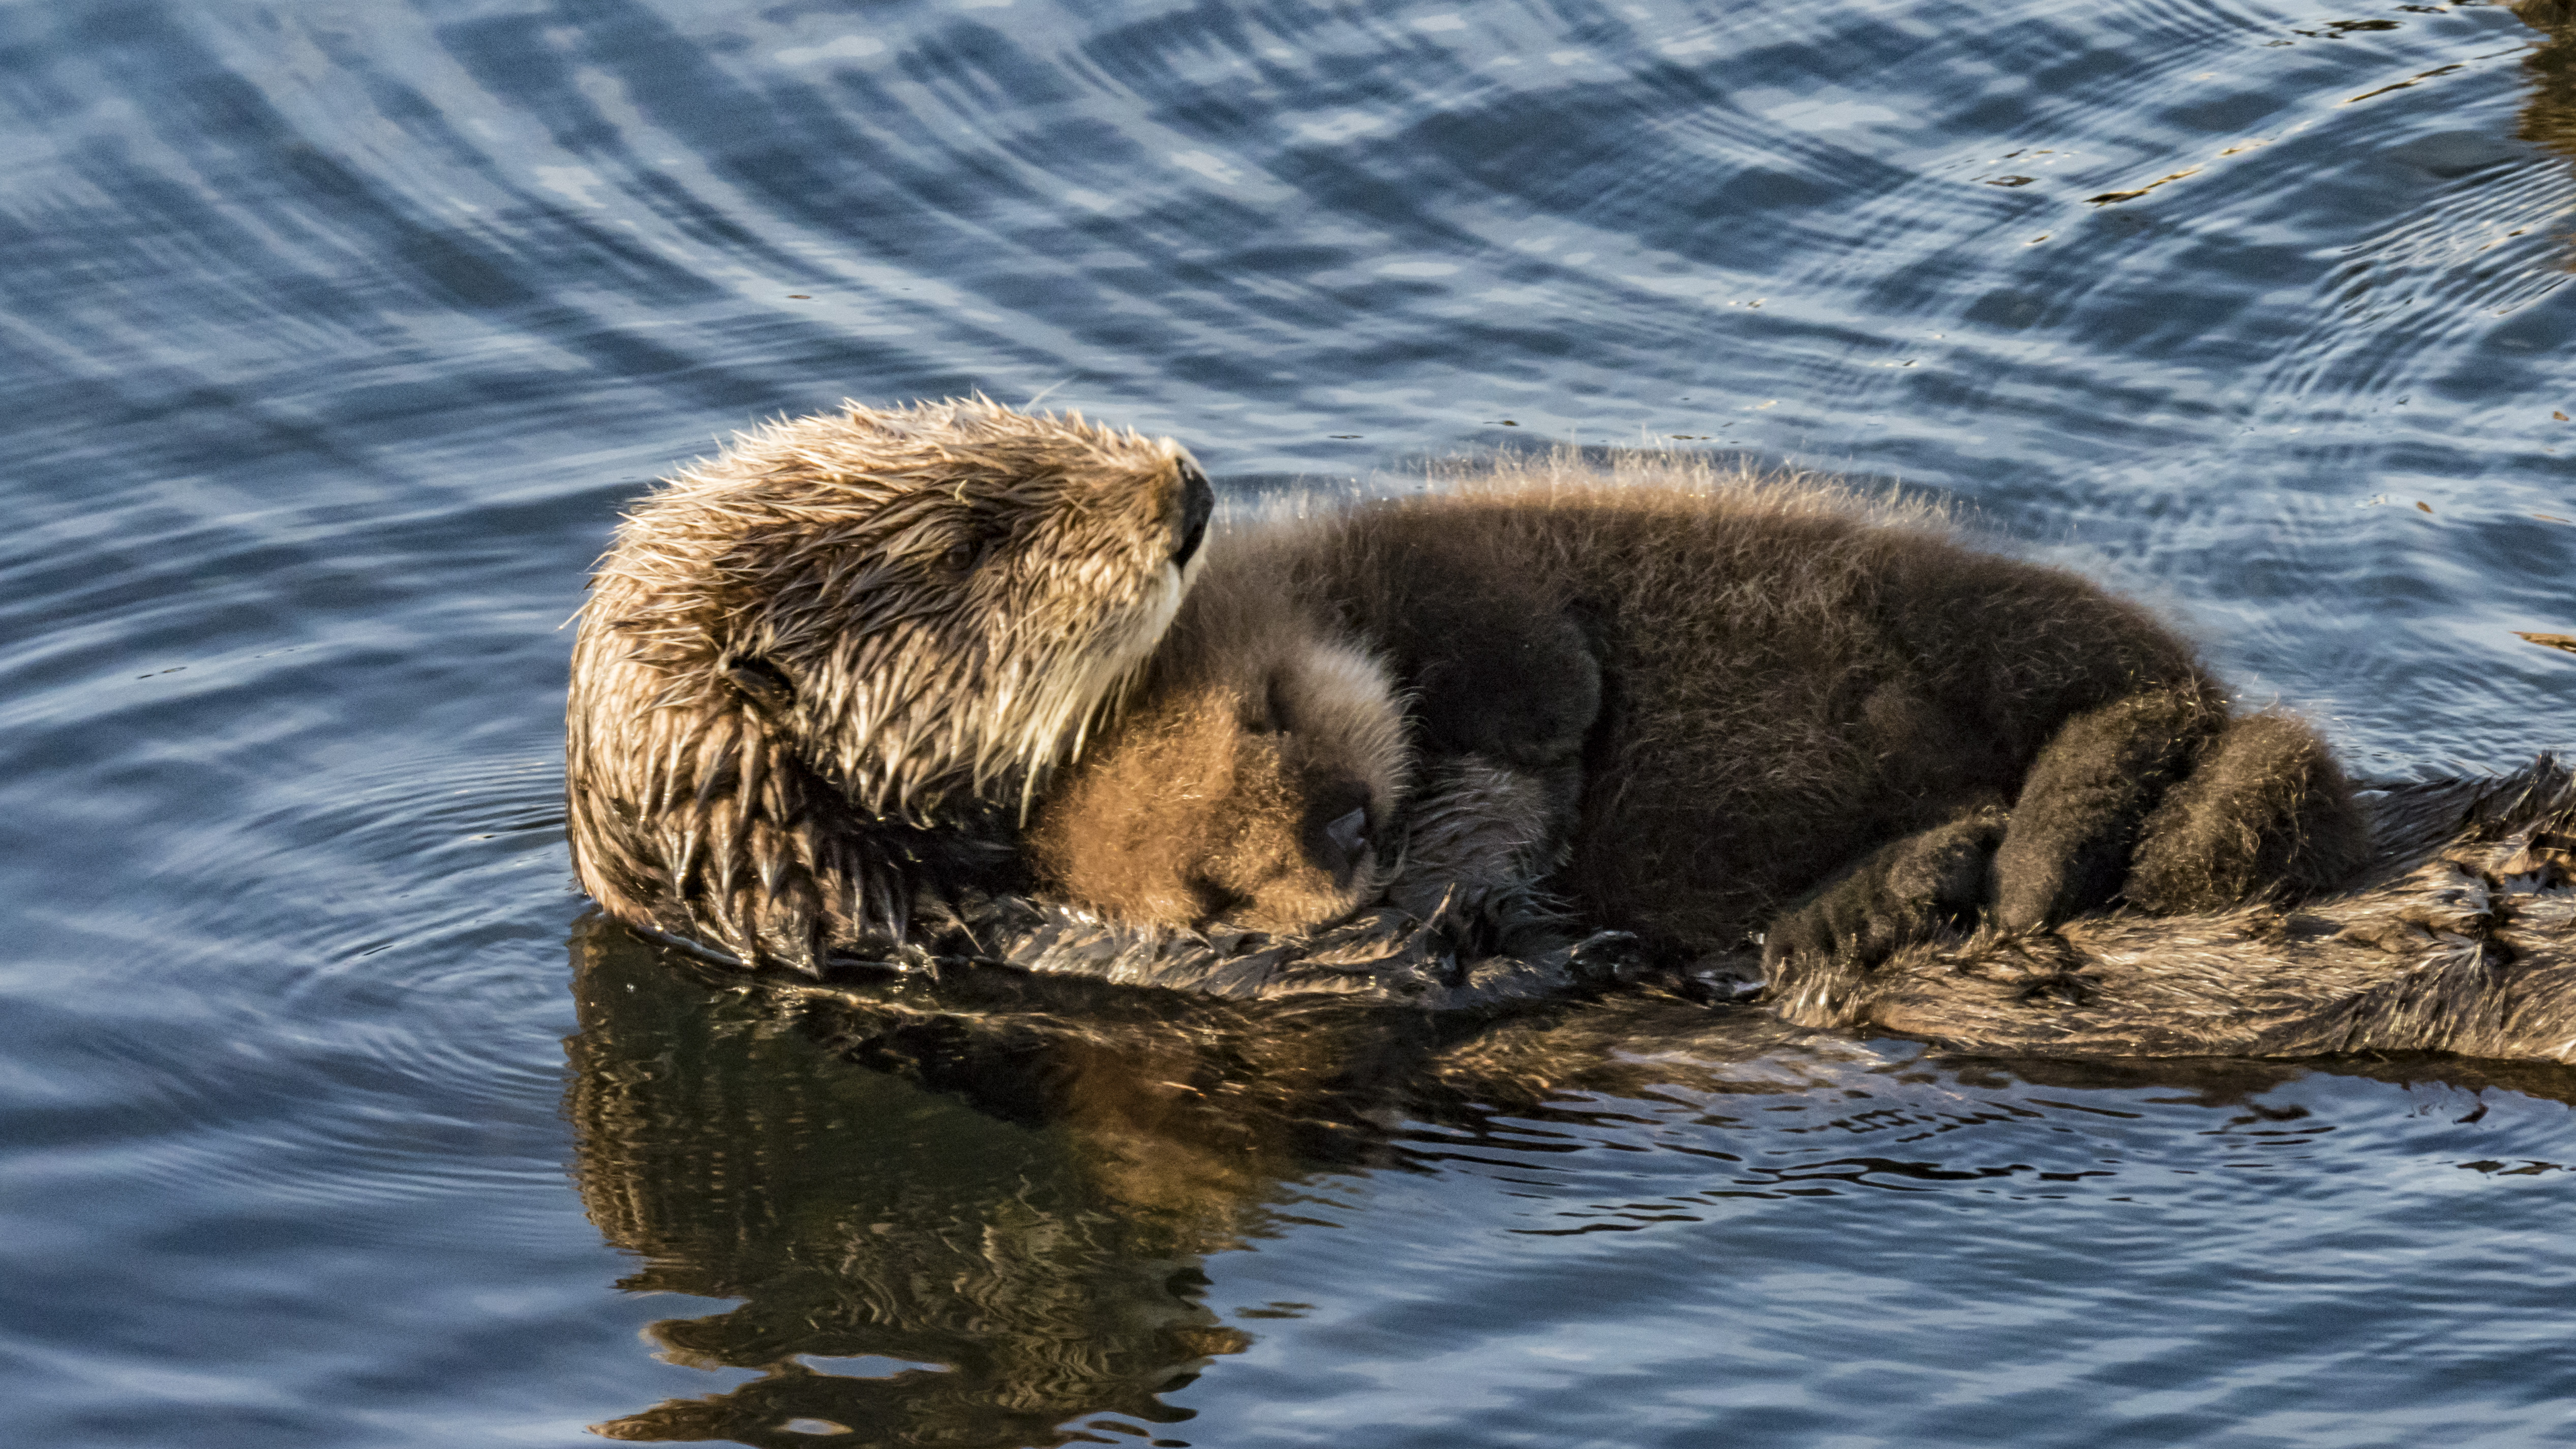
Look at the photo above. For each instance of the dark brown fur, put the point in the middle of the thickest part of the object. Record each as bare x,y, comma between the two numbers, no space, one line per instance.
1751,695
825,668
2460,937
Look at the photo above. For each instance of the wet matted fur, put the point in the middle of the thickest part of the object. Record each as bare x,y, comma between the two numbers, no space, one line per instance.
826,667
2461,937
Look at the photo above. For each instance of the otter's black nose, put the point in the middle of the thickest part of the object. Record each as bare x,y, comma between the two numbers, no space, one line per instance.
1198,504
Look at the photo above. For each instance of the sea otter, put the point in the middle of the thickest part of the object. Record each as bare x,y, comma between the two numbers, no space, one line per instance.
1693,708
1252,778
822,671
2456,933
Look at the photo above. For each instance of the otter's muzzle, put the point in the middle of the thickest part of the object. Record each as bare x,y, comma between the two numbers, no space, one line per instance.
1198,505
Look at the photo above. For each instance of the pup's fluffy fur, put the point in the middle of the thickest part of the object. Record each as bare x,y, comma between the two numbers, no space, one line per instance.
1692,705
1262,759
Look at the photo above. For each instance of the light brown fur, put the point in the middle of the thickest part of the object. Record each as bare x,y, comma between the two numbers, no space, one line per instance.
1253,780
828,665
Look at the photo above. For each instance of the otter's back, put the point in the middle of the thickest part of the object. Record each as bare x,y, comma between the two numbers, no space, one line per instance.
1787,673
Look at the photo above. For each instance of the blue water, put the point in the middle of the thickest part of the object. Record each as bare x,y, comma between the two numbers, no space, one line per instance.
334,335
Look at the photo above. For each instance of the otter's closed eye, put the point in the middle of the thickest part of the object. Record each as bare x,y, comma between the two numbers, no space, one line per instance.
761,682
1198,504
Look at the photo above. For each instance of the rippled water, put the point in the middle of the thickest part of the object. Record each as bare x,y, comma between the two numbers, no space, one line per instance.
334,334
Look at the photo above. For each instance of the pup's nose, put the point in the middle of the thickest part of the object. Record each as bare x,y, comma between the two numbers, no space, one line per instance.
1338,843
1349,834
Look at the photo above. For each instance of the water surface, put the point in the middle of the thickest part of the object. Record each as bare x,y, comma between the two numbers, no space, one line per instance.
334,335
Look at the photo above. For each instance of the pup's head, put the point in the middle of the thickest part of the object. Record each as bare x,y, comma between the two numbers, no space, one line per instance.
1254,779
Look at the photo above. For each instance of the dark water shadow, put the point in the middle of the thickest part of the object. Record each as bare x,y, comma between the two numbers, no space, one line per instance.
744,1149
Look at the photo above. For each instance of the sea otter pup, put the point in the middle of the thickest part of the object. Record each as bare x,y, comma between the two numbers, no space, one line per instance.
825,667
1694,708
1251,779
1264,776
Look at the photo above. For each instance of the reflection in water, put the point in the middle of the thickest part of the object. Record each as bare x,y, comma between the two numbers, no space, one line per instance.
1010,1178
736,1149
2549,116
1010,1186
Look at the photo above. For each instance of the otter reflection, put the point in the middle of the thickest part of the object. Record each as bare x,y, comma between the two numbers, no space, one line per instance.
727,1140
1018,1182
1013,1179
2549,116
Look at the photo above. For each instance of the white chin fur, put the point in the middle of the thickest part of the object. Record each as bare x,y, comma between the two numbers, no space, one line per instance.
1072,704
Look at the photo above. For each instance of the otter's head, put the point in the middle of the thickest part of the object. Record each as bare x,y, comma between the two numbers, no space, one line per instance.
1253,780
846,634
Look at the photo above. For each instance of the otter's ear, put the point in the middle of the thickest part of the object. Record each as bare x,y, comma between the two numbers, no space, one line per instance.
761,682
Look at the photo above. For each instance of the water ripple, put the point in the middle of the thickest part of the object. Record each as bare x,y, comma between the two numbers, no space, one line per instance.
333,338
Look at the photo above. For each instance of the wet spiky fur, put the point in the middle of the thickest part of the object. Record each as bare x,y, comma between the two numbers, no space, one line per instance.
828,665
2459,937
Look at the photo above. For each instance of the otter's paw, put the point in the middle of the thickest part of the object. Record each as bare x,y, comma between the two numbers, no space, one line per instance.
1609,958
1905,891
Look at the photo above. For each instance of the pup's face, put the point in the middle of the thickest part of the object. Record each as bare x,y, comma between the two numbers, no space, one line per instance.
1253,782
918,602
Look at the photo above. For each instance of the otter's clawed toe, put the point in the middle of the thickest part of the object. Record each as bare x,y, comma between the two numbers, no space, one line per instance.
1609,958
1905,891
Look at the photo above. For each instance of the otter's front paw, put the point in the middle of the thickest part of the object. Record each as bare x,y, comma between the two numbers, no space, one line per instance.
1905,891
